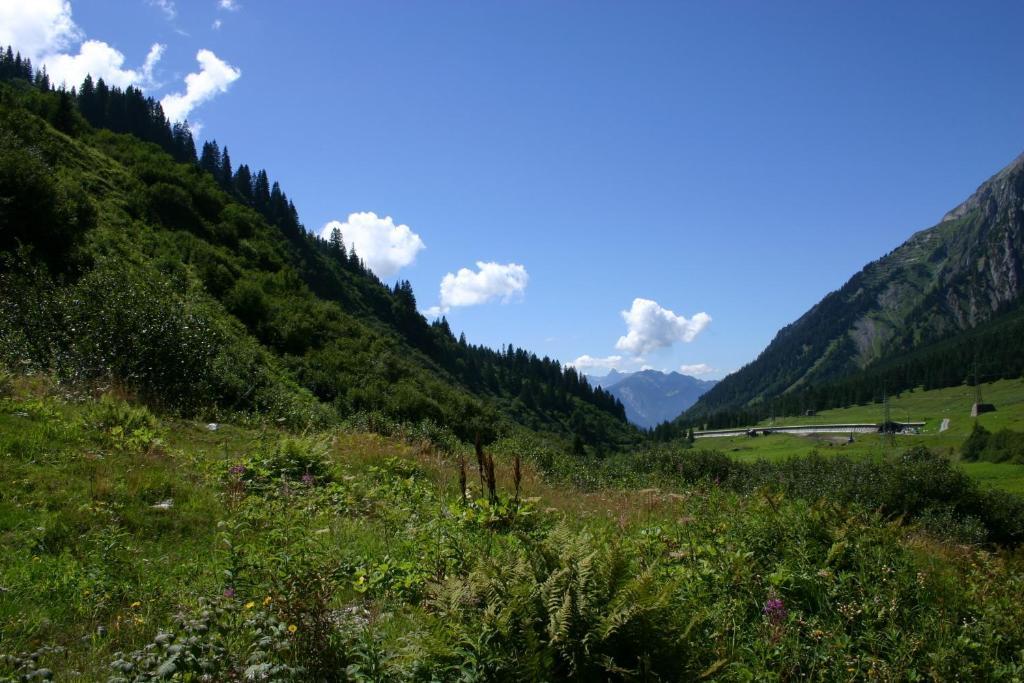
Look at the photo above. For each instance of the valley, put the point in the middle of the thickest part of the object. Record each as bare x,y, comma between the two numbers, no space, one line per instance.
234,447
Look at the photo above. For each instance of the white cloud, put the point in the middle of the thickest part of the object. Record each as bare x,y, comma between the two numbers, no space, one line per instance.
102,61
38,27
697,369
43,30
383,246
217,23
214,77
588,364
490,281
167,7
651,326
229,5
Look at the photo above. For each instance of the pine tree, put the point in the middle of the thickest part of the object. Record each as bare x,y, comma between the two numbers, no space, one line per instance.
64,118
225,175
243,184
87,100
261,192
43,80
184,144
338,245
209,161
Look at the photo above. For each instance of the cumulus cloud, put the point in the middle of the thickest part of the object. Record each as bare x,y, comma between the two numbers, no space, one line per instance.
383,246
214,77
697,369
490,281
650,326
102,61
37,28
229,5
43,31
588,364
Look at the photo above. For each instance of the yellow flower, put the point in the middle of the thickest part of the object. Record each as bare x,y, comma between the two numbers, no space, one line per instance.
266,601
292,628
250,604
136,604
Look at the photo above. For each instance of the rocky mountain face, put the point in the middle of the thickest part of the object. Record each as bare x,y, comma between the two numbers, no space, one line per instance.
965,270
652,397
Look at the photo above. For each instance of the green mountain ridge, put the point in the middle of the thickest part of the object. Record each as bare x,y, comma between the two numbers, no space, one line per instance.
128,258
941,282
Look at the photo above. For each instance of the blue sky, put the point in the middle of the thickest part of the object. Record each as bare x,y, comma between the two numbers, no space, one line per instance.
737,159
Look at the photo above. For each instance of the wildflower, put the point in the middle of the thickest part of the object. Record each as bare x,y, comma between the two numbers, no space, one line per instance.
775,610
229,592
250,604
237,470
136,605
292,628
308,479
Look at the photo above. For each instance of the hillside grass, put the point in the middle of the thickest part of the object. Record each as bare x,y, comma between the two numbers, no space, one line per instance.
138,547
930,407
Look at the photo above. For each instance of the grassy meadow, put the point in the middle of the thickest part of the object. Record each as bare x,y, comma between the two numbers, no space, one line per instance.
139,548
930,407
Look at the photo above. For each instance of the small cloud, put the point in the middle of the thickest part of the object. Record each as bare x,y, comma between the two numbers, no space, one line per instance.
229,5
587,363
651,327
697,369
383,246
167,7
490,281
214,77
217,23
196,127
433,313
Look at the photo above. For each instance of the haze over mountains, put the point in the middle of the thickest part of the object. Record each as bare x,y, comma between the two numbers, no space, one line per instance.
650,396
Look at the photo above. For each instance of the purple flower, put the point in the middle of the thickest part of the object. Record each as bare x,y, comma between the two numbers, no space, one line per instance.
775,610
229,592
308,479
237,470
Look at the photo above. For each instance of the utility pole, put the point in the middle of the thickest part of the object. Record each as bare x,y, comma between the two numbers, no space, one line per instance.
888,433
977,384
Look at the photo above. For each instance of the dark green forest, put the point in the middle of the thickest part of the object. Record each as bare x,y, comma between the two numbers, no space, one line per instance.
130,257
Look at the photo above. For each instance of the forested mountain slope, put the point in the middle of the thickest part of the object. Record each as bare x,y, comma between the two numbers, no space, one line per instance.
939,283
128,257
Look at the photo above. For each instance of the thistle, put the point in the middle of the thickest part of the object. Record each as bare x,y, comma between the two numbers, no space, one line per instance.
492,482
517,474
462,478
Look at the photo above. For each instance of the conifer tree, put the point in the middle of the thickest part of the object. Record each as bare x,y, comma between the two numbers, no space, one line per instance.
261,192
338,245
64,118
225,175
210,159
243,184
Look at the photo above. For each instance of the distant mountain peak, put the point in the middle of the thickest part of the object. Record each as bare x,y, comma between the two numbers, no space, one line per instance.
653,396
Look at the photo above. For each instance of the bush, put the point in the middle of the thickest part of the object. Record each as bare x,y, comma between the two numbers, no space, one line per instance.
1003,446
39,207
